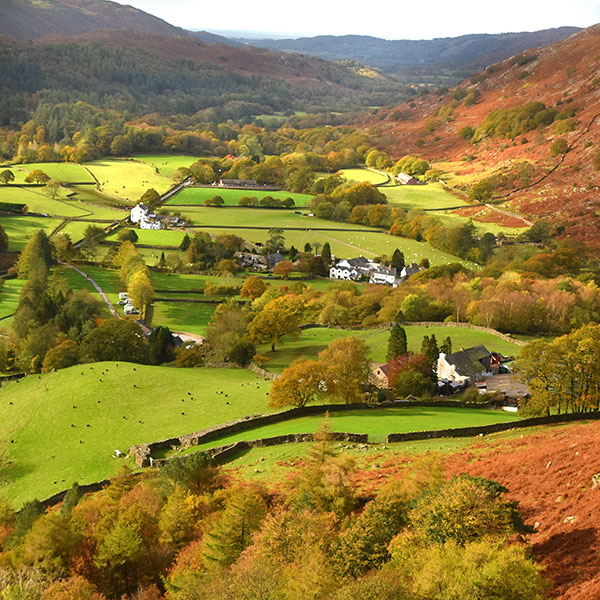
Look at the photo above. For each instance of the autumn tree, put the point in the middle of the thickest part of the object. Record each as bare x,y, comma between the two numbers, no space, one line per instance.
37,251
253,287
151,199
283,268
280,316
92,237
115,339
347,363
299,384
37,176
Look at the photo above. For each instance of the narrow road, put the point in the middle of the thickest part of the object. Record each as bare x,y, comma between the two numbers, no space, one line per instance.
104,297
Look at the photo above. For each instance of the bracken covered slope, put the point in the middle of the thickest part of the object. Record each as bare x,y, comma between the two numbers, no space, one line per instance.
563,76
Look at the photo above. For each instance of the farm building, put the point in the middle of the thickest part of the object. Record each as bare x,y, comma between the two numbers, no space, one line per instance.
141,214
406,179
466,366
384,275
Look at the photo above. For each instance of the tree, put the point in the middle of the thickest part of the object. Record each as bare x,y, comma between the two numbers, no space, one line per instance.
398,260
53,189
300,384
283,268
7,176
275,240
140,291
185,242
62,247
128,235
36,251
161,346
73,587
559,146
429,349
196,473
253,287
446,345
62,356
151,198
37,176
92,237
317,267
228,328
279,317
348,368
326,254
115,339
409,382
397,343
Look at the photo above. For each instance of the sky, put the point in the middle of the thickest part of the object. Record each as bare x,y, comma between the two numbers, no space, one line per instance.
388,19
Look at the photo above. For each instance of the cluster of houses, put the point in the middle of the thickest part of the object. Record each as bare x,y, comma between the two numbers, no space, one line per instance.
361,268
258,262
141,215
475,366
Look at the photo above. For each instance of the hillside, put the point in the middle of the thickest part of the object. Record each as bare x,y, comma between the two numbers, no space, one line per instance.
508,129
31,19
439,57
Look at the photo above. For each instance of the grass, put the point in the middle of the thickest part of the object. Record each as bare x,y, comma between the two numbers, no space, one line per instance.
182,316
61,171
376,422
154,237
312,341
363,175
126,179
166,164
76,229
150,399
197,196
258,217
20,228
9,298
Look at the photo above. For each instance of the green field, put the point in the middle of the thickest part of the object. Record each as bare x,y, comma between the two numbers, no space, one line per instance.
154,237
127,179
61,171
188,317
48,454
10,293
76,229
363,175
376,422
19,229
197,195
258,217
166,164
312,341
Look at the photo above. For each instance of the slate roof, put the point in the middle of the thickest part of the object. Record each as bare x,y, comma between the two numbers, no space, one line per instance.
471,361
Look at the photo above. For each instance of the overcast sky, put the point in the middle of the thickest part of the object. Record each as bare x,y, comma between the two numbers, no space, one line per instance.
387,18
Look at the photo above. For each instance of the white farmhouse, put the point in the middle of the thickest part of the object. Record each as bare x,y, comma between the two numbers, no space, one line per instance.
147,220
346,273
383,275
466,366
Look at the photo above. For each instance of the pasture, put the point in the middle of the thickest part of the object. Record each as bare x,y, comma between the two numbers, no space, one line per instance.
376,422
166,164
312,341
364,175
60,171
64,426
195,196
189,317
127,179
20,228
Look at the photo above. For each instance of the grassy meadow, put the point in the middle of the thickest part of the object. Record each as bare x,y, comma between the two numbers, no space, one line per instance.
127,179
20,228
166,164
312,341
91,410
195,196
61,171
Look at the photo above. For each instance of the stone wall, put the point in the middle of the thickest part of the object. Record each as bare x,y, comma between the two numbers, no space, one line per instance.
487,429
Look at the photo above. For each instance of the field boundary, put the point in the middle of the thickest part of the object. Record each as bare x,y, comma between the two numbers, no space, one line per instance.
493,428
503,336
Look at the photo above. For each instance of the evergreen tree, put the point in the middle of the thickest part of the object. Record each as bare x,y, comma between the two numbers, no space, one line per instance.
37,250
185,242
398,259
446,346
429,349
71,499
326,254
397,343
293,253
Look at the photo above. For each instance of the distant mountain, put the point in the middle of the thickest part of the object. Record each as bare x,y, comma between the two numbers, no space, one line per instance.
470,51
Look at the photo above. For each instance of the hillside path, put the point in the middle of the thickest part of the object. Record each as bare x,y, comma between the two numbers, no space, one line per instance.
104,297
